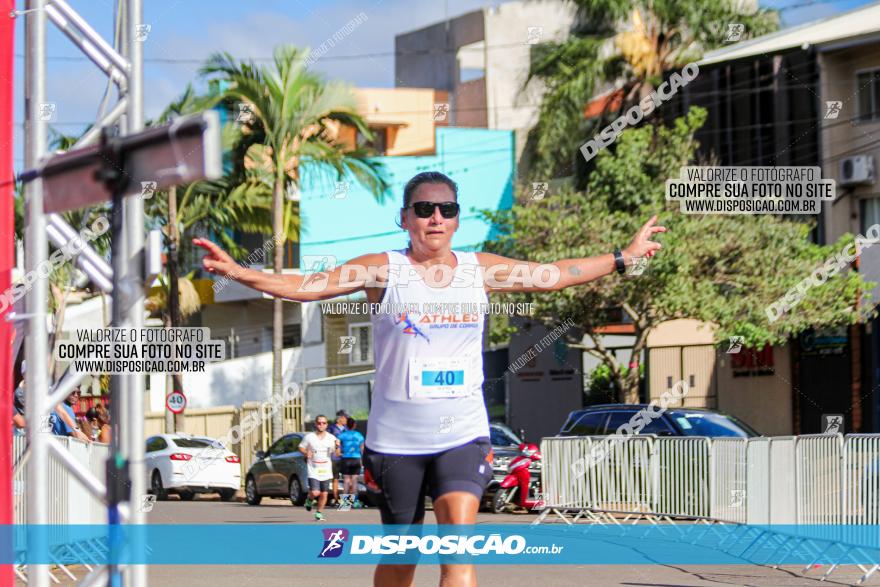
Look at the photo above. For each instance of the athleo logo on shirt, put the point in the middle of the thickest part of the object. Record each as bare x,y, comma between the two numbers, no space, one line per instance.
334,541
448,318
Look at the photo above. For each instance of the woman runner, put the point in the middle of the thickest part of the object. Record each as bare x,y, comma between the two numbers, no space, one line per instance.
428,430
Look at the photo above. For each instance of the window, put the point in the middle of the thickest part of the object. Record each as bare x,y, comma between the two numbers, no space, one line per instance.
467,74
618,419
285,445
592,424
156,443
192,443
500,437
870,213
710,424
291,335
379,142
279,447
657,426
362,353
868,91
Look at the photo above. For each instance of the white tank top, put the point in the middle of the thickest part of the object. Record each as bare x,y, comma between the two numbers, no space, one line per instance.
400,424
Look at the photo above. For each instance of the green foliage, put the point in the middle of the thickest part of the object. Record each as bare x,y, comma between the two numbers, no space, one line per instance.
719,269
240,200
297,113
603,387
648,37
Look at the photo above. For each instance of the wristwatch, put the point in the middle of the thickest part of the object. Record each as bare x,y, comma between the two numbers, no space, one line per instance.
619,263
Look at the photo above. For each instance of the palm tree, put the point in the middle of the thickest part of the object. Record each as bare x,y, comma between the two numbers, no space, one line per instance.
239,199
632,42
298,114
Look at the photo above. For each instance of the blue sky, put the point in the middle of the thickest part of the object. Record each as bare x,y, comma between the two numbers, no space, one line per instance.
184,32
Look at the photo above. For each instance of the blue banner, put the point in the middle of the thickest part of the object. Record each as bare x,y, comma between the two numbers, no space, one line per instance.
582,544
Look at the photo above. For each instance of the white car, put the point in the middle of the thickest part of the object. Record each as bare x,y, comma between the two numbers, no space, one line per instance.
187,465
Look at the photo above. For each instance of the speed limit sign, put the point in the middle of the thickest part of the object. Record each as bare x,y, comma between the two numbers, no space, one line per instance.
175,402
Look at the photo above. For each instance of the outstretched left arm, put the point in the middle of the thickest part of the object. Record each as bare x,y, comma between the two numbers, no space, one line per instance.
503,274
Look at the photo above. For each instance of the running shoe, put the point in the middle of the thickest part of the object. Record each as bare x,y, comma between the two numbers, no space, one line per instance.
308,504
319,516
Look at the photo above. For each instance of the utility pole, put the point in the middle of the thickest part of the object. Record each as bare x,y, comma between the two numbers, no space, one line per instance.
174,381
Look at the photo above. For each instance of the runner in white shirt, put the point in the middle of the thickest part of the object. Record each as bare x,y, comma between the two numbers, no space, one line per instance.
427,431
319,447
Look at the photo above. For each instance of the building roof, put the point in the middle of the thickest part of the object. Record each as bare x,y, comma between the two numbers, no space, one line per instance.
846,26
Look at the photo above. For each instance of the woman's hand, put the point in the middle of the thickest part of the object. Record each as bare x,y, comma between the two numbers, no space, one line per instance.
217,260
641,245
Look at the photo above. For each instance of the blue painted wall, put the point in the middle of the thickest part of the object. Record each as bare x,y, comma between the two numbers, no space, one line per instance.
480,161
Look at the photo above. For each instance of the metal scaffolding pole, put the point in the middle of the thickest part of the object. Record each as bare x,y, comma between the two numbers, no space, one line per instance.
134,230
114,170
128,260
36,252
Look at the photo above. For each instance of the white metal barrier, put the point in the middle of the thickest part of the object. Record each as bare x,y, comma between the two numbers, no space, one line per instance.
561,486
861,479
819,482
782,476
819,496
727,479
71,503
813,479
619,474
682,476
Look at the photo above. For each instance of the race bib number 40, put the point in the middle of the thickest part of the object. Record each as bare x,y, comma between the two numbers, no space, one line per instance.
437,377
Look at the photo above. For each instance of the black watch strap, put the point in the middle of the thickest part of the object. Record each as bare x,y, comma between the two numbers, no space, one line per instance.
619,263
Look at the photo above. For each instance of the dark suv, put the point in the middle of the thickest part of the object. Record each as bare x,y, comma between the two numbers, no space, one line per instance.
607,418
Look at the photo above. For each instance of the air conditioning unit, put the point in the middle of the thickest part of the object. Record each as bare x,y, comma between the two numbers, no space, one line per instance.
858,170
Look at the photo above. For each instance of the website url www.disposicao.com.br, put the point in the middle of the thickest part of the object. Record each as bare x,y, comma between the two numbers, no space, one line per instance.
392,544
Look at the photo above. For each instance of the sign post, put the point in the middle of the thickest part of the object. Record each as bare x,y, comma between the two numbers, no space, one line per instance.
175,402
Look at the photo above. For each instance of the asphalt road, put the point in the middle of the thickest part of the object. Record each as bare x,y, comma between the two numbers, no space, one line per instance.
277,511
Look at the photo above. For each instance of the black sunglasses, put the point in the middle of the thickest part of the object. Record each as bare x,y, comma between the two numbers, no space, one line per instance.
426,209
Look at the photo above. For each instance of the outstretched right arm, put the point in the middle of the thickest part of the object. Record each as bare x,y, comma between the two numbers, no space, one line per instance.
356,275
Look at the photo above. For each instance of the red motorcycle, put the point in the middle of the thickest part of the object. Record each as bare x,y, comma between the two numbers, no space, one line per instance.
522,485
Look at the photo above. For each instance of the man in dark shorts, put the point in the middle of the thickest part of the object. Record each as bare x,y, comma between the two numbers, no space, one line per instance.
352,448
336,429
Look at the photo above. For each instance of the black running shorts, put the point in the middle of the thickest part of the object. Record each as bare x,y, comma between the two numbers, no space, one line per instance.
351,466
401,482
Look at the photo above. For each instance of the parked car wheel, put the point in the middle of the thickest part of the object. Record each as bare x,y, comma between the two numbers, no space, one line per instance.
296,493
157,487
503,498
228,494
250,492
187,495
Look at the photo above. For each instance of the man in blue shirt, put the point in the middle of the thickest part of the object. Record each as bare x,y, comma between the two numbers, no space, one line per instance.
352,448
59,426
336,429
